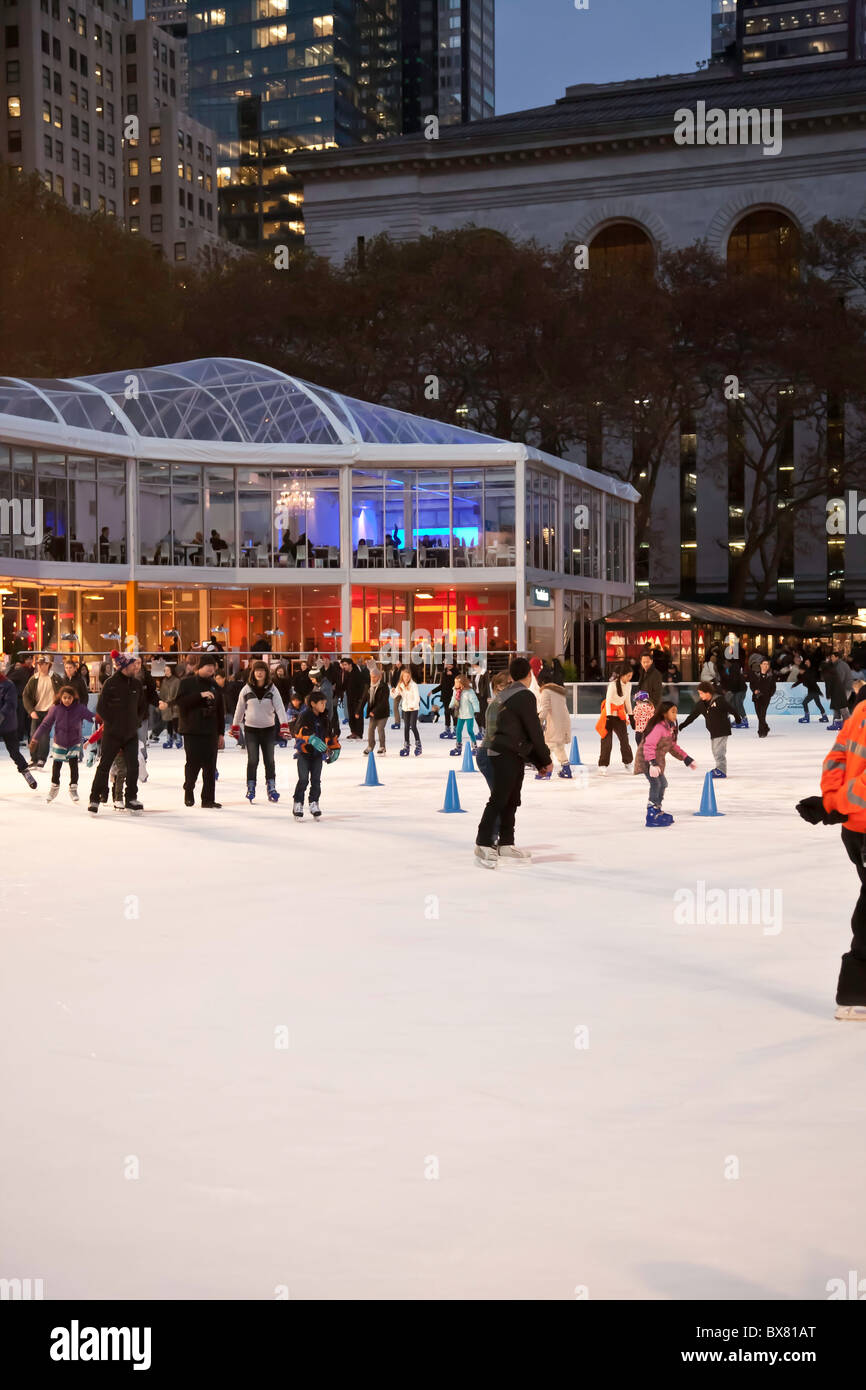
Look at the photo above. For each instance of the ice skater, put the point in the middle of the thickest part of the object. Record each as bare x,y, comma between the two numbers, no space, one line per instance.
410,703
762,684
517,740
717,714
9,728
843,802
808,677
616,715
464,703
121,706
202,723
378,711
168,708
262,715
555,722
659,740
64,723
315,744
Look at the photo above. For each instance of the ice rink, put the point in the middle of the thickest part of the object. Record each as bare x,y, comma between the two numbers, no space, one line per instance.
244,1057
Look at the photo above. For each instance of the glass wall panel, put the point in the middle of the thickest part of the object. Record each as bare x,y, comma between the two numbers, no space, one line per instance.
156,544
219,510
499,516
228,608
5,496
433,527
400,508
468,512
111,511
186,509
368,518
23,490
103,616
322,487
81,474
51,491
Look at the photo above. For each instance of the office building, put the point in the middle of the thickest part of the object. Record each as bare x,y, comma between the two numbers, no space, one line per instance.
173,18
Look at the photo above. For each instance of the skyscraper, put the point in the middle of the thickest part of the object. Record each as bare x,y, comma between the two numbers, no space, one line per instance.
448,61
171,15
769,34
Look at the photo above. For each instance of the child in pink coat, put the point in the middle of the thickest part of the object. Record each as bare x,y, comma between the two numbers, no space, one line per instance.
659,740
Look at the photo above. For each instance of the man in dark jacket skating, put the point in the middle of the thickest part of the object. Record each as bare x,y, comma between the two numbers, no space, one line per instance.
518,740
717,715
201,711
650,680
121,706
763,687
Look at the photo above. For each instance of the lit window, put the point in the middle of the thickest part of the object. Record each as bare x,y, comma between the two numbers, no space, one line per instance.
180,250
13,107
323,26
155,135
156,163
134,224
133,168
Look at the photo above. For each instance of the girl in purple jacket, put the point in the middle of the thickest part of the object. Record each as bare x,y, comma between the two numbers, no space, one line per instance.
660,739
64,722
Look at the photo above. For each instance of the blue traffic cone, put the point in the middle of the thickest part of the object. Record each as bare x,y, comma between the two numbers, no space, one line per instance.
468,761
708,799
372,778
452,805
574,755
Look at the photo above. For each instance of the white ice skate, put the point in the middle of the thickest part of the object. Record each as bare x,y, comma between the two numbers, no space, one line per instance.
520,856
851,1013
52,791
486,857
73,792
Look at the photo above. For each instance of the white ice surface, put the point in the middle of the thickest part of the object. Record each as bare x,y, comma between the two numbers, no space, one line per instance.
431,1008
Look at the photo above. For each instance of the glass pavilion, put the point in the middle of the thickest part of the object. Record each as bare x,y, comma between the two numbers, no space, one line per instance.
224,496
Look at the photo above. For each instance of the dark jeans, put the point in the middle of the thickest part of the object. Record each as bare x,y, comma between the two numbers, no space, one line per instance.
73,772
263,740
11,742
813,695
485,766
109,748
657,788
620,728
309,770
410,721
851,988
201,757
501,808
761,707
738,699
44,740
450,716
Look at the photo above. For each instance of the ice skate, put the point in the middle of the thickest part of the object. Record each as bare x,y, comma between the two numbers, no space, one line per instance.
29,778
73,793
178,742
134,805
602,772
486,857
94,807
717,772
52,791
446,733
273,794
315,810
381,752
417,750
520,856
851,1013
564,771
456,750
169,741
404,752
251,791
804,720
823,719
745,722
298,810
654,816
834,726
543,776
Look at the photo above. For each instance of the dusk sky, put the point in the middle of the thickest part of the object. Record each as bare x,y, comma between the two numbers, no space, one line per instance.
544,46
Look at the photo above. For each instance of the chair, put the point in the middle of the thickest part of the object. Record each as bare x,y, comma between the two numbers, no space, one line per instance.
422,555
409,557
287,560
362,557
333,557
302,555
389,556
475,558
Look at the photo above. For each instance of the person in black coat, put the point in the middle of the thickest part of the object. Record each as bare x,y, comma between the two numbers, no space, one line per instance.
717,714
302,681
354,689
378,710
809,678
121,706
734,686
19,675
763,687
518,739
72,675
650,680
202,715
445,689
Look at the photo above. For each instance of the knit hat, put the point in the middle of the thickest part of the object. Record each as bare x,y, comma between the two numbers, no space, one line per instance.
122,660
641,695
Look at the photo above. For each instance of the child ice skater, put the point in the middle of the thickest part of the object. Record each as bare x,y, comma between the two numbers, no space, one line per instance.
315,744
64,722
659,740
717,714
465,702
556,723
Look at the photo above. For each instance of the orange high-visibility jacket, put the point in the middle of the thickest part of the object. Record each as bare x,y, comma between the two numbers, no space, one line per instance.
843,780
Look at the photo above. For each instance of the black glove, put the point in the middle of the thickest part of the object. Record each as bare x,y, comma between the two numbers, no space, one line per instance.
811,808
631,720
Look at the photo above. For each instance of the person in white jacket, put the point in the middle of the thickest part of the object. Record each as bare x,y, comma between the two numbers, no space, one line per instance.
617,714
410,703
261,711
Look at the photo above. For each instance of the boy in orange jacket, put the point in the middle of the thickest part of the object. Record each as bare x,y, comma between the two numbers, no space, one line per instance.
843,802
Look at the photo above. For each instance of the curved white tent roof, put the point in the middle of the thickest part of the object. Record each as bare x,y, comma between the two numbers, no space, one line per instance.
221,400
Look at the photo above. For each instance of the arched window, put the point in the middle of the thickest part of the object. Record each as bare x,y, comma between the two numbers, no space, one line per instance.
765,243
622,249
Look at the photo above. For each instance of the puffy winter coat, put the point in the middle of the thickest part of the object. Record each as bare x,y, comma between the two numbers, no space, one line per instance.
64,723
465,702
717,713
843,780
308,725
8,707
554,715
654,747
409,696
122,705
518,730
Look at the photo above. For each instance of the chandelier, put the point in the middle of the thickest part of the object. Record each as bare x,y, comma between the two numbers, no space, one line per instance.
294,499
